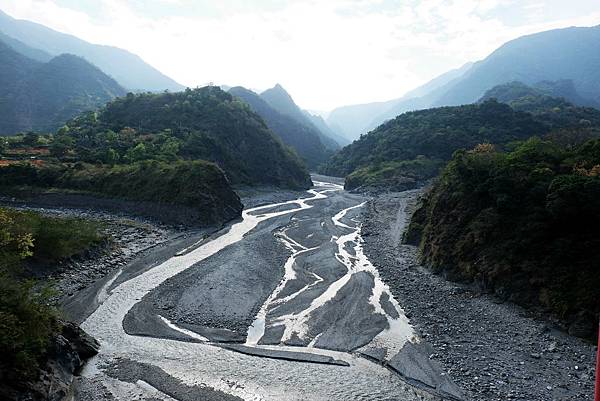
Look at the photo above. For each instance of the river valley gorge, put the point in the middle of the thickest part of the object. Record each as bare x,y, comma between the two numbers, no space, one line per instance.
322,323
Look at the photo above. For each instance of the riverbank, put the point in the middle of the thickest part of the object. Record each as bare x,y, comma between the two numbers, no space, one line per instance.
121,240
492,350
125,237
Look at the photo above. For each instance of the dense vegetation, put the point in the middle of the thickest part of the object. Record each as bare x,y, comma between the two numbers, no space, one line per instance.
27,323
42,96
428,137
197,184
394,175
304,139
547,102
155,147
205,123
522,223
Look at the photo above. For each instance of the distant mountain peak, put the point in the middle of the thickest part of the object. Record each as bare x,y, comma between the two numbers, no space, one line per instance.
40,43
43,96
279,94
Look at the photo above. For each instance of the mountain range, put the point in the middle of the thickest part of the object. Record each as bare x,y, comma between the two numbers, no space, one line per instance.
278,98
354,120
415,145
307,134
303,138
41,96
128,69
571,54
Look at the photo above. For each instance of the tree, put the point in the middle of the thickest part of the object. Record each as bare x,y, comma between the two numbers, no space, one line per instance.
31,139
170,148
4,145
136,153
61,145
112,156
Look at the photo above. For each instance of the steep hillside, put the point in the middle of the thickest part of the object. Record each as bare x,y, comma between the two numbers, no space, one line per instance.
571,54
522,223
303,139
204,123
359,119
557,57
415,144
43,96
176,192
22,48
546,102
279,99
126,68
333,140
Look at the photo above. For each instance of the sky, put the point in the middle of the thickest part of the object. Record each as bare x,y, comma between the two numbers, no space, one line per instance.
326,53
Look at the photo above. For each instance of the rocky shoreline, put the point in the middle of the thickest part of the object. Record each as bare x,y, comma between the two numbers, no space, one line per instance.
492,350
126,238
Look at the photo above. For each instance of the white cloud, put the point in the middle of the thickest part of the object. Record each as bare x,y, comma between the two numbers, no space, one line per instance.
326,53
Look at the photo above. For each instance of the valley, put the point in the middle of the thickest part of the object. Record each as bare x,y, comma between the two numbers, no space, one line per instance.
323,305
229,241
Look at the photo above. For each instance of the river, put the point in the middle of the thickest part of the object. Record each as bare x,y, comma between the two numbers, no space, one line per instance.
322,328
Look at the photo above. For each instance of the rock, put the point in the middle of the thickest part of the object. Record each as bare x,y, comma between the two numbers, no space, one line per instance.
583,325
83,344
65,357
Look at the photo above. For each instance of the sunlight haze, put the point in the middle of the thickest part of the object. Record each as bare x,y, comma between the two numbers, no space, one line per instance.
325,53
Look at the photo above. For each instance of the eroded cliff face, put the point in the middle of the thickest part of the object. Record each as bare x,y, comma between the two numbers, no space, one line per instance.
185,193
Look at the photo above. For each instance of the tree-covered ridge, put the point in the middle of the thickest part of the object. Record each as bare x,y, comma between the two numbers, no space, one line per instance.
522,223
433,135
302,138
197,185
204,123
40,96
547,101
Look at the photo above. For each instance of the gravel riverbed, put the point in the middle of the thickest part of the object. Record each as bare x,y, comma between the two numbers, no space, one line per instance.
492,350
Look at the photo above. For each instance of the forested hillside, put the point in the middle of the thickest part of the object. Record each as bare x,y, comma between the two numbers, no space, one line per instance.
522,223
415,145
42,96
547,102
205,123
302,138
199,187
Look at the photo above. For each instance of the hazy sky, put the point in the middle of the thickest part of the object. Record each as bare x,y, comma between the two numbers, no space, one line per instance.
326,53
